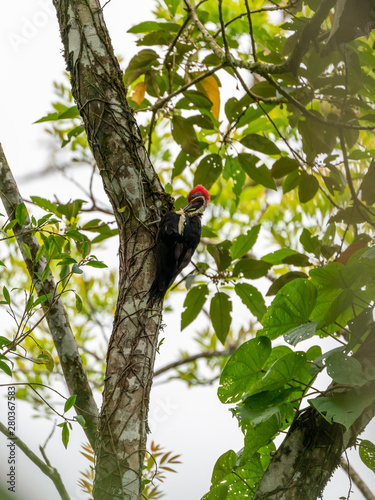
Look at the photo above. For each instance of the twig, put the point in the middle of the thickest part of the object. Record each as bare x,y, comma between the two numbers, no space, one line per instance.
49,471
248,13
225,41
194,357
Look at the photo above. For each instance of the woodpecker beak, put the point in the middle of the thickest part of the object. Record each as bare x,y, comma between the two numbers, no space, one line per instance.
197,204
190,206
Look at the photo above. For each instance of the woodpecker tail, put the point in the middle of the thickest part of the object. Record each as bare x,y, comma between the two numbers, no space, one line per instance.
155,293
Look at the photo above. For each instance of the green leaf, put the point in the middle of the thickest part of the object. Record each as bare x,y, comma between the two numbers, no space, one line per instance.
48,118
259,435
242,244
76,131
282,371
193,304
368,185
345,369
223,466
260,143
283,280
184,134
208,170
5,368
71,401
208,233
4,341
149,26
220,309
96,263
291,181
278,256
369,254
26,249
194,97
76,235
70,113
243,369
283,166
339,305
290,308
81,420
301,333
21,214
66,261
45,273
310,243
76,269
6,295
252,299
297,259
71,209
260,175
139,64
65,434
308,187
344,408
46,205
367,453
260,407
47,359
78,303
41,299
251,268
221,255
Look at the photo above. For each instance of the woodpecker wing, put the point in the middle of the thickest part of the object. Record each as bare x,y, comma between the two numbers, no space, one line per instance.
175,246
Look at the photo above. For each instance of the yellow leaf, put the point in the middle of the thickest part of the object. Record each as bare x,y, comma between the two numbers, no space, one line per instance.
139,92
210,88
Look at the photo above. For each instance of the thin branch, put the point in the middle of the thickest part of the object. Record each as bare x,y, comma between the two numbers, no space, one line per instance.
248,13
214,46
51,472
357,480
225,41
175,40
194,357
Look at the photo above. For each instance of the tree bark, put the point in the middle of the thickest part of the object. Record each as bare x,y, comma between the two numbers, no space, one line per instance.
137,196
57,317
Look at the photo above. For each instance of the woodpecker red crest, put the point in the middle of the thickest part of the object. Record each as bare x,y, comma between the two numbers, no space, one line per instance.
200,189
178,237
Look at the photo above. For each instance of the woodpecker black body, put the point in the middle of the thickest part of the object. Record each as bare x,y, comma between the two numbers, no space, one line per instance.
178,237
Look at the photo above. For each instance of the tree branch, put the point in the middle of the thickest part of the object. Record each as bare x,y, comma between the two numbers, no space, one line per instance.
49,471
357,480
193,357
57,318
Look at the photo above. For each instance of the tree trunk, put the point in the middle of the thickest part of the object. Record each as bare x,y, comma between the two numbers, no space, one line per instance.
136,194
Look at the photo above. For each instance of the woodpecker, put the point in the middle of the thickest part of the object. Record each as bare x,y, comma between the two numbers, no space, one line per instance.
178,237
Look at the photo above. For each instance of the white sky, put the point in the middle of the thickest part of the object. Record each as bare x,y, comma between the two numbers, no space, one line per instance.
193,422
